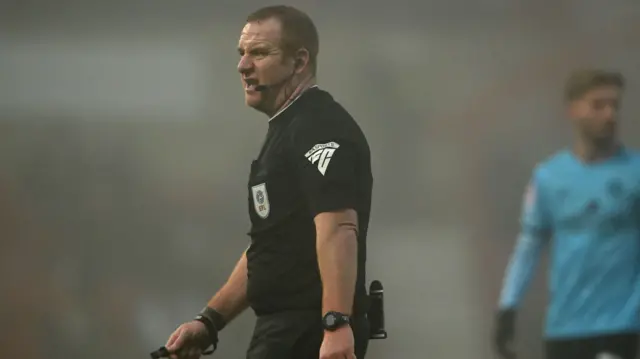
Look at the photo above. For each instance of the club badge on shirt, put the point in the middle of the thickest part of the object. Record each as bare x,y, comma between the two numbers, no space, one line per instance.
261,200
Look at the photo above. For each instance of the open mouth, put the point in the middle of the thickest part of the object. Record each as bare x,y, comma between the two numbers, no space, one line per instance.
250,84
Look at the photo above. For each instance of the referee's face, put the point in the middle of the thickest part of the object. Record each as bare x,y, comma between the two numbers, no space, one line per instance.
263,62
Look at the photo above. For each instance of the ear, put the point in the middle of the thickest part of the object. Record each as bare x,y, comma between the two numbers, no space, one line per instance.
301,60
568,109
572,109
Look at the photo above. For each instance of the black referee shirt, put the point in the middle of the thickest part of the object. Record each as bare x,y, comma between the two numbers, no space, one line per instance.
315,159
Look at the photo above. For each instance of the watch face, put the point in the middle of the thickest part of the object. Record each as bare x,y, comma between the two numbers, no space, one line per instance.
330,320
333,321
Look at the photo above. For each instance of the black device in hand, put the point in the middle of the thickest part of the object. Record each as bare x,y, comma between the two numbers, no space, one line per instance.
160,353
212,320
376,311
505,332
164,353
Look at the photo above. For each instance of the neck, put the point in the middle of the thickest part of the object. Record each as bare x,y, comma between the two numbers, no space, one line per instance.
594,151
289,97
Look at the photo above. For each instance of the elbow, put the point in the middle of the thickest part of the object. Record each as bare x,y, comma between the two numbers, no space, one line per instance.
337,231
341,239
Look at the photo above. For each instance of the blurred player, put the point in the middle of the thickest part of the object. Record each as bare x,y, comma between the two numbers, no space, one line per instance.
585,202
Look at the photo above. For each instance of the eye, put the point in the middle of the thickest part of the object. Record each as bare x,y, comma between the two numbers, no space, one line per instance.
600,104
258,52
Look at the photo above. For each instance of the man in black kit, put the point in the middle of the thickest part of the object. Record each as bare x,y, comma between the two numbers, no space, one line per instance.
309,202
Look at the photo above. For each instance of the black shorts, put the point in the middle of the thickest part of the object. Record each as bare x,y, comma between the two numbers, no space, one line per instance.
297,335
617,346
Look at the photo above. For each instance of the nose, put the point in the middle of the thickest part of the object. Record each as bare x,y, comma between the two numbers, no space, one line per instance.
610,113
245,65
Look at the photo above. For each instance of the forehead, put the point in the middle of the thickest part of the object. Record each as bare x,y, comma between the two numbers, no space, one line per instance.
260,32
603,92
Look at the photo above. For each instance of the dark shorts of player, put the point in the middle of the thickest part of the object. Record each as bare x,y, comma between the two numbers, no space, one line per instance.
298,335
617,346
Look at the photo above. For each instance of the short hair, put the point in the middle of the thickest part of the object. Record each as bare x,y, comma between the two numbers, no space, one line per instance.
298,30
582,81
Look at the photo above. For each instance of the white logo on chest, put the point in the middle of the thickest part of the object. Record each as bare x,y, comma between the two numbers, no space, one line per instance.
261,200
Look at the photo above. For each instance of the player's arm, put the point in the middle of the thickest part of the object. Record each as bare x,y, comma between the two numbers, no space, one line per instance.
521,268
325,166
533,235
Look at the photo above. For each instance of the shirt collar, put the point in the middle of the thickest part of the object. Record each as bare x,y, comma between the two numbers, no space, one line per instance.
291,103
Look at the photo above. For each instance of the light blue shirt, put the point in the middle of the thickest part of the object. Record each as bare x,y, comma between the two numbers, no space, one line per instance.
590,216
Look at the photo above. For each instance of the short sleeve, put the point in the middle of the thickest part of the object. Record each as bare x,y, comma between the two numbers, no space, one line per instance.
535,211
326,162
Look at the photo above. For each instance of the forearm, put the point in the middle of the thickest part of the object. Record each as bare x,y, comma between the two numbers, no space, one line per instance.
231,299
338,262
520,270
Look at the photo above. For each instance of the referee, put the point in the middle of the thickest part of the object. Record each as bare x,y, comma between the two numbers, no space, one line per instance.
309,198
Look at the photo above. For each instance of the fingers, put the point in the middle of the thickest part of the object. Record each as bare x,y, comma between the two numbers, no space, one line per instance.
186,353
176,343
506,351
195,353
340,356
504,346
510,354
180,347
178,351
175,340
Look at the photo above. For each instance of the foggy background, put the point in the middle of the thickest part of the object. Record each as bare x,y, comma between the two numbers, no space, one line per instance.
125,149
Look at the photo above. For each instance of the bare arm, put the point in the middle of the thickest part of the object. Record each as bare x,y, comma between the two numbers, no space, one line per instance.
231,299
337,249
228,303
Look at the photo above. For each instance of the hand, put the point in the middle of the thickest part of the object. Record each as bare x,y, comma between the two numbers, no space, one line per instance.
188,341
505,334
338,344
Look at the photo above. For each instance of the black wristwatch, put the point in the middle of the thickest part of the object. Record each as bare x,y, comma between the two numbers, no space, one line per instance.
333,321
214,322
